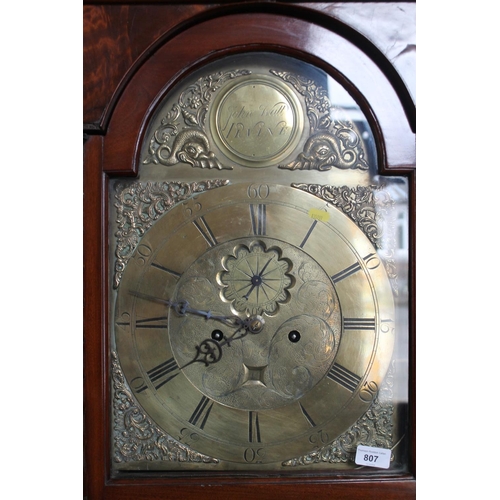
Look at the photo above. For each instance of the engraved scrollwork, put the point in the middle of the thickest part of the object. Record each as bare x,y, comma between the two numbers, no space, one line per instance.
333,140
136,437
374,428
138,205
171,144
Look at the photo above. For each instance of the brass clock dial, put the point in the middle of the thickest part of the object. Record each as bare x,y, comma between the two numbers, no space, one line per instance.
253,319
254,324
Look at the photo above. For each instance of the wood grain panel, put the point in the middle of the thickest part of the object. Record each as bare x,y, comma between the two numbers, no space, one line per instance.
114,37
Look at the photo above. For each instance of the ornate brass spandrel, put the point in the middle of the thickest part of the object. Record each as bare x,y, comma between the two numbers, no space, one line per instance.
139,204
182,137
135,436
333,141
372,209
375,428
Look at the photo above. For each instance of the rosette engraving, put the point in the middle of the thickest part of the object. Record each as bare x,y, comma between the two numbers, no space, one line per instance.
256,279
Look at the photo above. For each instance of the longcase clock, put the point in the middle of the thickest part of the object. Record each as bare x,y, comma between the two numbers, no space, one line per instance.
249,305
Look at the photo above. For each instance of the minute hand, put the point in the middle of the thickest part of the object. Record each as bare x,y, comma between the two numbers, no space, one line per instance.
182,308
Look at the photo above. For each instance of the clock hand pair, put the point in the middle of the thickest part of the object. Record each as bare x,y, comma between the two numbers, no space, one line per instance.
210,350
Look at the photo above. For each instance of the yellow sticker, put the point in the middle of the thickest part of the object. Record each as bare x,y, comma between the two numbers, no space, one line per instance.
318,214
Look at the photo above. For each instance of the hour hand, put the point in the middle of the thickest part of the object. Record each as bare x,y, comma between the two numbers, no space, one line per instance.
210,350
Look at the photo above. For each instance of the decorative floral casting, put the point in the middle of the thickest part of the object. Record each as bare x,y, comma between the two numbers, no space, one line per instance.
374,428
333,143
371,208
138,205
181,136
136,437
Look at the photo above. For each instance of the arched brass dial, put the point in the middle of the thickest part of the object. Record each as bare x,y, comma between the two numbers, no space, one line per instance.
313,289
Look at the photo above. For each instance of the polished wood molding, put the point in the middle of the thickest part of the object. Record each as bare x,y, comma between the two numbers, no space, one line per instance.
134,53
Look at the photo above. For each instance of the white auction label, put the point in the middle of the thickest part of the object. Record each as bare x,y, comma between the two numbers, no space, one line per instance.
373,457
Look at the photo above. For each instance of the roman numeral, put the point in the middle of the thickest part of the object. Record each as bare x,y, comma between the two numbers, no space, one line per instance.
359,323
151,322
344,377
348,271
258,216
163,373
166,269
306,237
253,427
307,416
200,415
202,226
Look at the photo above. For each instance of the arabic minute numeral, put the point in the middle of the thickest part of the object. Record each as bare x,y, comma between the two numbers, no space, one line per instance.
368,392
143,254
254,455
138,385
387,325
124,319
191,207
319,438
258,191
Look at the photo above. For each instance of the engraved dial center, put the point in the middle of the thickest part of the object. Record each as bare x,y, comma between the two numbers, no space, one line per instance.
290,328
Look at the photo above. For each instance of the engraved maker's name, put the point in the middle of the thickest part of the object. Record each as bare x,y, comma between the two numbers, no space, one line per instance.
265,121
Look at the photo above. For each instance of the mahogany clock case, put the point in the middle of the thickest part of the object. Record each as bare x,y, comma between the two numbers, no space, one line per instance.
165,46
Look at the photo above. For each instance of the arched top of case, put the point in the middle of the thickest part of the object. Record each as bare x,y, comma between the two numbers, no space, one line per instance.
296,31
